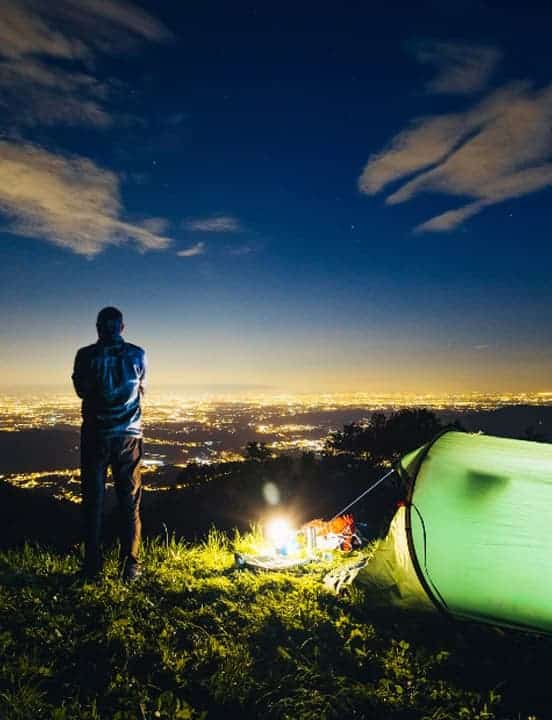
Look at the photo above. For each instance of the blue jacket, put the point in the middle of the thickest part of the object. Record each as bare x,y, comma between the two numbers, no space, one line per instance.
110,379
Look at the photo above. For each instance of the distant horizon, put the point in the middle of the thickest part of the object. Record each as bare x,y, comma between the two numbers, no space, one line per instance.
273,389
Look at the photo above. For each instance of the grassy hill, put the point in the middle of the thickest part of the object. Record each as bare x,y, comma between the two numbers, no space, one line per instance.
195,638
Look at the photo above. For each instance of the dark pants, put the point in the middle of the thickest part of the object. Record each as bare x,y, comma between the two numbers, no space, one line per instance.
123,453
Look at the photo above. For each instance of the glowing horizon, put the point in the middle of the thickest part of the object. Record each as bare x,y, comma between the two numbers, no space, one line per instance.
376,219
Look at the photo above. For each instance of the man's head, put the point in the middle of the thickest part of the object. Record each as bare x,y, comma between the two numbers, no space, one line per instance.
109,324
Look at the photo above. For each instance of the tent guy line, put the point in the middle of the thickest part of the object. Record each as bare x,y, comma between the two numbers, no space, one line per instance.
366,492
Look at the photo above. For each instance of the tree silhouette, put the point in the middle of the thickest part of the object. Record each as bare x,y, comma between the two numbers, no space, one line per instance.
385,438
257,451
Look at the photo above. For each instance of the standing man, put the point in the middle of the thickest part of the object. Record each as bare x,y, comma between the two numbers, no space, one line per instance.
109,376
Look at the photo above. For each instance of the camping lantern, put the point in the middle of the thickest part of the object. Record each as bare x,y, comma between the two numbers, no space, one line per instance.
281,535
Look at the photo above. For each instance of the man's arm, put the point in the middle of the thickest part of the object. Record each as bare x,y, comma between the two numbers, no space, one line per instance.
80,376
142,388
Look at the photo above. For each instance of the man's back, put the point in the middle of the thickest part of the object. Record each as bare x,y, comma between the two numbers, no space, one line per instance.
110,379
109,376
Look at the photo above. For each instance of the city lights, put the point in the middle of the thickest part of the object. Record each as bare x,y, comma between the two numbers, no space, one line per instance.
214,430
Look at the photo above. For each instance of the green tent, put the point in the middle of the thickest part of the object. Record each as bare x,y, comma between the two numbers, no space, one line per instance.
475,537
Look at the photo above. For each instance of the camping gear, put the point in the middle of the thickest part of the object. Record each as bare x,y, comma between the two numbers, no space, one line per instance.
288,548
268,562
310,533
339,533
474,538
338,578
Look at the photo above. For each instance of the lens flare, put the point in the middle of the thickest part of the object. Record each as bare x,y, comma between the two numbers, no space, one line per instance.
271,493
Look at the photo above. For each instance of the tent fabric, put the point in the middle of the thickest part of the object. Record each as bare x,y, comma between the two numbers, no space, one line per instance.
390,577
478,530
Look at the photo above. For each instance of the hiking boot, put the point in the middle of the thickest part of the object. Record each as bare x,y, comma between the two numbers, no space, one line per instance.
131,572
91,572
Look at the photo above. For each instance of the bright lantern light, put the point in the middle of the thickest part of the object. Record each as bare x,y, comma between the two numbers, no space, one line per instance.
279,531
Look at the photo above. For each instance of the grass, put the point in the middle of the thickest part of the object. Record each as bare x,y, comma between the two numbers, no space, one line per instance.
195,638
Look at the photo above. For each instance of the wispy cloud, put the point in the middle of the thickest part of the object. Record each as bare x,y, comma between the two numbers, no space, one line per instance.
31,94
461,69
156,225
24,31
34,36
74,29
69,201
197,249
215,224
498,149
48,53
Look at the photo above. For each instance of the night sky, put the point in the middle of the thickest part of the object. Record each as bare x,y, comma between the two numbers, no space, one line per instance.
311,196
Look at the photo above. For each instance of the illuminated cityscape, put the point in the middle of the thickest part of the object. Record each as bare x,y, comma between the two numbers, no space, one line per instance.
208,428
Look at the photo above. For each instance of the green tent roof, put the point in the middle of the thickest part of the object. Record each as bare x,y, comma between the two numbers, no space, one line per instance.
479,527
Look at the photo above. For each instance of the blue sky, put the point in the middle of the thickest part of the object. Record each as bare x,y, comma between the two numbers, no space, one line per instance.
328,197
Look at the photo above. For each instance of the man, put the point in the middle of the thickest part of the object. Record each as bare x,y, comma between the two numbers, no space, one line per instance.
109,376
